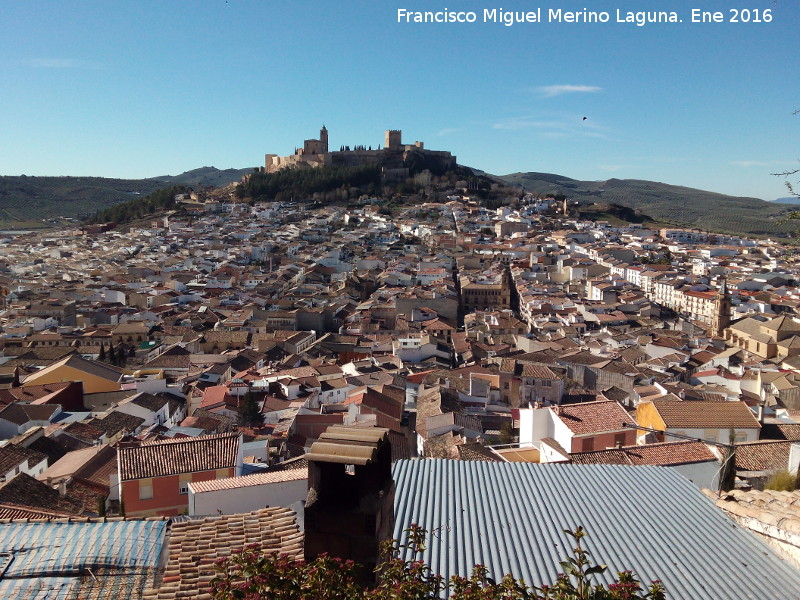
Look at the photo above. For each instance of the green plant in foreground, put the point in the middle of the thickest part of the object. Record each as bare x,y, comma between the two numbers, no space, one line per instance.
251,574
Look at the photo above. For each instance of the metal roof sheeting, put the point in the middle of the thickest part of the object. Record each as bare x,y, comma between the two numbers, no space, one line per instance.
511,517
50,560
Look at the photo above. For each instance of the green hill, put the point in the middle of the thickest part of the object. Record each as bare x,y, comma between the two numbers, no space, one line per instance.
25,200
682,206
35,198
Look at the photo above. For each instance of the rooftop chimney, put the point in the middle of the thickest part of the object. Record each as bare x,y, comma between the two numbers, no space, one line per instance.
350,505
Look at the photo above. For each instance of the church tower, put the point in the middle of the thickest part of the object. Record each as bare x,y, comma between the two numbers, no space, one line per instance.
323,138
722,310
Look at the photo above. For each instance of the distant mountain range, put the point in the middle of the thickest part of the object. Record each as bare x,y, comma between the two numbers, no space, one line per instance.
26,201
669,204
790,200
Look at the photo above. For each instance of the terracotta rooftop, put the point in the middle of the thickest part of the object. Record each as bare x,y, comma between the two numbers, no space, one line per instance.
233,483
181,455
19,413
79,363
783,431
194,546
24,490
10,512
663,454
537,372
769,513
705,415
116,422
767,455
32,392
593,417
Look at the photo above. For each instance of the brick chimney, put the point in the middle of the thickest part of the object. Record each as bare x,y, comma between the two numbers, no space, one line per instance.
350,505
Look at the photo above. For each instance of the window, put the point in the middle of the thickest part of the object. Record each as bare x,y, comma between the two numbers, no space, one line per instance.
184,488
183,483
145,489
546,383
587,444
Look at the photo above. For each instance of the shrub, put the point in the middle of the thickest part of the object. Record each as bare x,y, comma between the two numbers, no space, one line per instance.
782,481
252,575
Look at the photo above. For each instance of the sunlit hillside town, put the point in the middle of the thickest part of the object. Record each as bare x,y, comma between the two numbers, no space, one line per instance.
226,374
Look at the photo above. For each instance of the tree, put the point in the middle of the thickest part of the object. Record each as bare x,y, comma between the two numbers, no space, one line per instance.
121,357
102,356
250,414
254,574
507,432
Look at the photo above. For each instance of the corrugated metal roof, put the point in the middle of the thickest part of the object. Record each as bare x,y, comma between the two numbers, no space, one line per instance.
511,517
52,560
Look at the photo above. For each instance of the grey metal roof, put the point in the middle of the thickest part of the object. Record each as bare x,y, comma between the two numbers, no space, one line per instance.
651,520
57,560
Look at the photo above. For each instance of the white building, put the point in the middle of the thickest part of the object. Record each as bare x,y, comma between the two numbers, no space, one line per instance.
250,492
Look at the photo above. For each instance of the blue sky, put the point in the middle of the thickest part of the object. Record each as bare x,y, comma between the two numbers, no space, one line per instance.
146,88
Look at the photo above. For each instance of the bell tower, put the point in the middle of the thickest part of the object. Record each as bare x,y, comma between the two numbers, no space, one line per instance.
722,310
323,138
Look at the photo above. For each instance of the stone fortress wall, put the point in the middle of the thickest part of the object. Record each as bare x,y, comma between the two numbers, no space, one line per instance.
394,154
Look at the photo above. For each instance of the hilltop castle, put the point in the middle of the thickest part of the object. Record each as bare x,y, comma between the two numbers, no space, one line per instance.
395,158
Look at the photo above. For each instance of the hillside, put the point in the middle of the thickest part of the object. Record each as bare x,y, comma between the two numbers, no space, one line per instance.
205,177
25,200
667,203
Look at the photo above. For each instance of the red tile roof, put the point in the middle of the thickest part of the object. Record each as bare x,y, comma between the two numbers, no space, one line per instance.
181,455
705,415
766,455
195,545
662,454
593,417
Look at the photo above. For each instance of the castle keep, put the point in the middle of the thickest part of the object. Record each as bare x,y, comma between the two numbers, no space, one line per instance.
395,157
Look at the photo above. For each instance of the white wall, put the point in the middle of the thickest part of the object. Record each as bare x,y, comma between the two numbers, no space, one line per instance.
246,499
538,423
722,435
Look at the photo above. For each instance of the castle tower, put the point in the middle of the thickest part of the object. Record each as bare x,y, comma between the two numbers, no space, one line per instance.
393,139
323,138
722,310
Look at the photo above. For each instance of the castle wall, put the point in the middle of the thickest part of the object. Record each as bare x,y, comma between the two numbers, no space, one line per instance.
315,154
